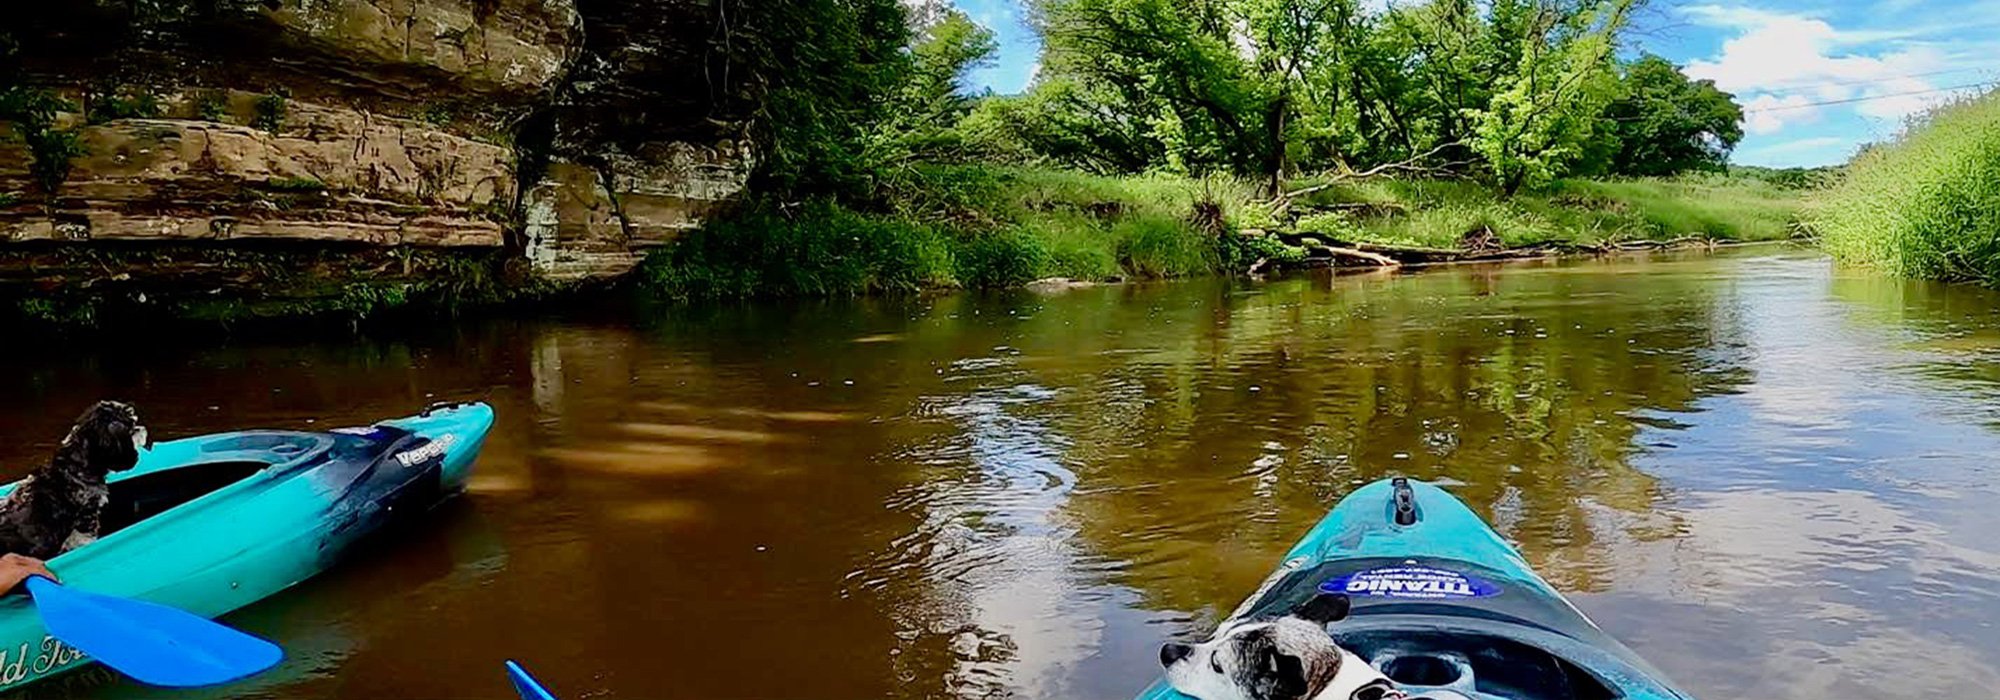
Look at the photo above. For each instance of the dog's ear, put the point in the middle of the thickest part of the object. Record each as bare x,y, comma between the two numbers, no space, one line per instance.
1288,673
1324,608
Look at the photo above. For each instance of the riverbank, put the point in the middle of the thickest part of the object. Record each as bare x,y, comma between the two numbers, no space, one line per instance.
982,226
126,285
932,227
1926,204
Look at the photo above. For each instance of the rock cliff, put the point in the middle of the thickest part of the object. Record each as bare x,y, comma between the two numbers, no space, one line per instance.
562,137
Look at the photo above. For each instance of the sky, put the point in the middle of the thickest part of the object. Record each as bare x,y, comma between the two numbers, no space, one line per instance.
1878,61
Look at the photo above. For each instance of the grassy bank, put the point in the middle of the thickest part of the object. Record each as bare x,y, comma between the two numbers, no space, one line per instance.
976,226
959,227
1925,205
1582,213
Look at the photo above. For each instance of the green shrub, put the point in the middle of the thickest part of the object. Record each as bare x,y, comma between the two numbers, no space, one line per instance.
53,149
1077,248
1001,259
122,103
211,105
1925,205
268,112
821,249
436,114
295,184
1331,226
1160,247
33,112
1241,252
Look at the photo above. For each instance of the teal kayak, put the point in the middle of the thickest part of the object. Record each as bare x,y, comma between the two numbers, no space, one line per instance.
1444,607
213,523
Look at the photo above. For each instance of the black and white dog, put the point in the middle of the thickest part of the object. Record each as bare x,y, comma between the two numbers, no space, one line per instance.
1284,658
56,508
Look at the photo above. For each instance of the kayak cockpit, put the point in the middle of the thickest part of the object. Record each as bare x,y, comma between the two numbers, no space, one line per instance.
1471,664
183,471
146,495
1446,629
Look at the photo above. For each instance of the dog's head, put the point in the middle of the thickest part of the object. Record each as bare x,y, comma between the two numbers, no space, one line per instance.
108,436
1284,658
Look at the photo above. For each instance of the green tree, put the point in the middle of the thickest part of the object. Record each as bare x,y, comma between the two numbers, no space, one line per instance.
1542,117
1665,123
934,95
1174,67
1231,85
1067,121
826,74
1453,63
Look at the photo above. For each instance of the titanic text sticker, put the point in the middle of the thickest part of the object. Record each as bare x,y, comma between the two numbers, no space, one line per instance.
1411,581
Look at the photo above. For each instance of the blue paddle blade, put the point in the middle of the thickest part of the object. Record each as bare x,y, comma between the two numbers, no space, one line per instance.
526,685
152,643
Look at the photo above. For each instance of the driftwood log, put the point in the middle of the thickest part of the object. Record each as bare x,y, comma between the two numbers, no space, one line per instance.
1351,257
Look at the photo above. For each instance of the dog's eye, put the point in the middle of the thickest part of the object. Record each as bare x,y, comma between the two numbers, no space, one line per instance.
1214,662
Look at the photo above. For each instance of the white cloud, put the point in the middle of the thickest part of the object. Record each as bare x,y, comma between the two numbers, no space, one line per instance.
1733,16
1904,103
1791,62
1767,114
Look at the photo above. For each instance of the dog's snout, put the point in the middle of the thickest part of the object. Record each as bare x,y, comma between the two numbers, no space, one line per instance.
1169,653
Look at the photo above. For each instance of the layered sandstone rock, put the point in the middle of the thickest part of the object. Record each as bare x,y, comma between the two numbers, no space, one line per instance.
583,221
385,123
328,175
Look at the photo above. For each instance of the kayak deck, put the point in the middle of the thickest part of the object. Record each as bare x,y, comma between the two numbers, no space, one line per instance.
1441,603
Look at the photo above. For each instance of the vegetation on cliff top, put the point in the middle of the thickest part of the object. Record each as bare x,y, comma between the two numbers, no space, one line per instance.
1926,204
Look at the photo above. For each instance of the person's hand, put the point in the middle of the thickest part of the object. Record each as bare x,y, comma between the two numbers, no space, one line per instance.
15,568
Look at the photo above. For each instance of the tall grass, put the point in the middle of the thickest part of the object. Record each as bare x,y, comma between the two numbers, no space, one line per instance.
1926,204
1439,213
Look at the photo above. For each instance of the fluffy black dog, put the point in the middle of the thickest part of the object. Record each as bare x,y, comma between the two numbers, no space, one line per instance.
56,508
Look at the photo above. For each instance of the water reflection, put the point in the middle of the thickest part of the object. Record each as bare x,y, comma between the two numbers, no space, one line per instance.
1772,479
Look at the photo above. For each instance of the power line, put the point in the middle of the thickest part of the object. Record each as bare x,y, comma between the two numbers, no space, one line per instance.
1859,81
1782,108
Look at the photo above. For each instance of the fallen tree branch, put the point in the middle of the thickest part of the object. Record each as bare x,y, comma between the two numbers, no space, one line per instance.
1372,259
1336,179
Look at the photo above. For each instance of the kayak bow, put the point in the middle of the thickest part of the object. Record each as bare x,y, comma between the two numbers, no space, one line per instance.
1442,603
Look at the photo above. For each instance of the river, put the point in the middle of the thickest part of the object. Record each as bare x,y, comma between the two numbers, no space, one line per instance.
1772,478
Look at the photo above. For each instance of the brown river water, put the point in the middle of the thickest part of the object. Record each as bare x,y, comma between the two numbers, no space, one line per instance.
1772,478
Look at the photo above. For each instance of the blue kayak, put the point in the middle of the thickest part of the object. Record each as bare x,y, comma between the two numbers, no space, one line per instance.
210,524
1442,603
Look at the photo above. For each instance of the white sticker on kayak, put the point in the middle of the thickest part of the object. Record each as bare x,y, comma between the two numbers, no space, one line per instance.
428,451
1411,581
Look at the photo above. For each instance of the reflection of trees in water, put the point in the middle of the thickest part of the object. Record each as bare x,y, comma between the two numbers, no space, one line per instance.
1204,458
1209,428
